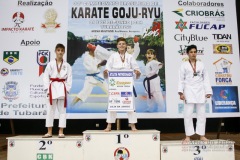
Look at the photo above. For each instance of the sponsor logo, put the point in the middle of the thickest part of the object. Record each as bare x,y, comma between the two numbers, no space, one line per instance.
50,24
198,25
198,158
181,25
225,99
126,94
4,72
222,74
112,82
37,91
44,156
121,153
43,58
155,31
190,38
16,72
222,37
205,25
222,49
114,93
11,57
18,19
30,43
34,3
202,13
126,101
200,4
179,12
114,100
11,90
183,50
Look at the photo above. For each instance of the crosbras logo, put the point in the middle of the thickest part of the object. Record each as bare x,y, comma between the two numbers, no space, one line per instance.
199,4
194,13
18,18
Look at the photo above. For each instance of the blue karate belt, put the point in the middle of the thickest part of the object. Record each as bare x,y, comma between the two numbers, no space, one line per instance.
95,75
148,84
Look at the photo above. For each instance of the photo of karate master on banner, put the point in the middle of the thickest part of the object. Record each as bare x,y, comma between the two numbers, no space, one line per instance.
88,52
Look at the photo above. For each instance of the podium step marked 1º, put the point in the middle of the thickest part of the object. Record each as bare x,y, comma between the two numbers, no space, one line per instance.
37,148
121,145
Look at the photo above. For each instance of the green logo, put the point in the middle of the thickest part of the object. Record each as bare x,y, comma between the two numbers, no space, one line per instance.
179,12
112,82
11,56
44,156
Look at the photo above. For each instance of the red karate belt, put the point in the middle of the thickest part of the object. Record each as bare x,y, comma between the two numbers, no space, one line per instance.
65,90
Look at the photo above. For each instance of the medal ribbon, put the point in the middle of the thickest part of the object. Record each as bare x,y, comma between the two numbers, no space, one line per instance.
193,67
59,69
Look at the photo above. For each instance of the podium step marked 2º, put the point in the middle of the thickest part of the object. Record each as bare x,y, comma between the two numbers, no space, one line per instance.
37,148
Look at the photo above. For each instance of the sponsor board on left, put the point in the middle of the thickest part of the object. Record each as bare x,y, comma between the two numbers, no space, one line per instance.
18,18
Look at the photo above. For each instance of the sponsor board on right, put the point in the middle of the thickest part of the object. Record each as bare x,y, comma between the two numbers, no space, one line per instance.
225,99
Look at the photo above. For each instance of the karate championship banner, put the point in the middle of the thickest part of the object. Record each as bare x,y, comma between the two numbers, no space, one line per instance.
30,30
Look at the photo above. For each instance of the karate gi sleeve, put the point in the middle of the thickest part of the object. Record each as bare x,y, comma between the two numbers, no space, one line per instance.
181,78
207,86
102,53
109,63
136,50
155,67
69,78
46,77
89,66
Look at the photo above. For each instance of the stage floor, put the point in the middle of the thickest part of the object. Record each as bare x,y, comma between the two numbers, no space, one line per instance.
164,136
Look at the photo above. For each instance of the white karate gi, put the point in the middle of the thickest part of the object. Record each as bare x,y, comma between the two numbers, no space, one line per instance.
195,89
93,77
115,63
58,93
152,69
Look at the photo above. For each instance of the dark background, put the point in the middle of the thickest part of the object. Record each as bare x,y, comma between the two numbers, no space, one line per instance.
77,126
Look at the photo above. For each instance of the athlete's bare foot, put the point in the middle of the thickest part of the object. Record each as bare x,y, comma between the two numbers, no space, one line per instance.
133,127
204,139
186,140
108,129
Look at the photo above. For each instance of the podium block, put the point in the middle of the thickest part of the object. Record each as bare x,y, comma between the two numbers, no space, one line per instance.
198,150
37,148
121,145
